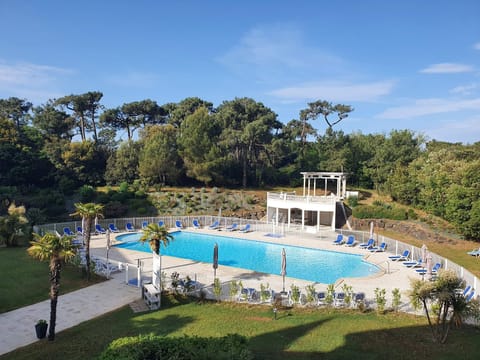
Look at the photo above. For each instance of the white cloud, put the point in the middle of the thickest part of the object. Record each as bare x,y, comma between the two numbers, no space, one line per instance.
466,131
476,46
447,68
335,91
464,89
424,107
34,82
269,50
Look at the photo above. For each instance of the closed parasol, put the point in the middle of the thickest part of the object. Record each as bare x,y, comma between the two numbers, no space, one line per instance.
284,267
215,260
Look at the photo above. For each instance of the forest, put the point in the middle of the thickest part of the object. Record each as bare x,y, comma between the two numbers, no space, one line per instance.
49,152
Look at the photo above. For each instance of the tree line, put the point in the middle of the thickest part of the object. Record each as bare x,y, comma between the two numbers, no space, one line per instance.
75,140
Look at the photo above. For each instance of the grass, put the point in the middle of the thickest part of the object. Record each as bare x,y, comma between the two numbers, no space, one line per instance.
25,280
297,334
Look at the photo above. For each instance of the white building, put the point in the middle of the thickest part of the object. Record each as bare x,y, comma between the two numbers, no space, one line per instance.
316,208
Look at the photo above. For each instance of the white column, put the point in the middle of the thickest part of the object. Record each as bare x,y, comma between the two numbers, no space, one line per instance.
276,216
304,177
314,186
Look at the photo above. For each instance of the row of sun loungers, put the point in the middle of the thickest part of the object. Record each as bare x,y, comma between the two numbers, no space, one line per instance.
369,245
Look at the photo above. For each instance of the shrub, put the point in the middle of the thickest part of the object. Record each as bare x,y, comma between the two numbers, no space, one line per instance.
396,299
380,300
353,201
154,347
217,288
87,193
379,212
329,297
123,188
295,293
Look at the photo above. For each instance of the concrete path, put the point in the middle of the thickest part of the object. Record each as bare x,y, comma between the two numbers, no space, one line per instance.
17,326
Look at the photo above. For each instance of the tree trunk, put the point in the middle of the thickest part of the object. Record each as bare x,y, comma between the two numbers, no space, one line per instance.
55,266
88,230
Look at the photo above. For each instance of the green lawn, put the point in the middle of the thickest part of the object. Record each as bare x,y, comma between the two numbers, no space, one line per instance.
297,334
26,281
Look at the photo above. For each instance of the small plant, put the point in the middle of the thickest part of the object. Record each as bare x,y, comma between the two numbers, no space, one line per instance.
217,288
41,322
163,277
329,298
295,293
234,289
264,292
380,300
396,299
353,201
348,290
310,289
175,277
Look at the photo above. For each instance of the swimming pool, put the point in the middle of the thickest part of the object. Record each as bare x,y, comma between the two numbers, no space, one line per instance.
303,263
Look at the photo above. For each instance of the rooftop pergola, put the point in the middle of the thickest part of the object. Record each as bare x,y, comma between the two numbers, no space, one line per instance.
310,180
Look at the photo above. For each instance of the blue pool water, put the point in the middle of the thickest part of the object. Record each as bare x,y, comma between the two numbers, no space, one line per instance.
303,263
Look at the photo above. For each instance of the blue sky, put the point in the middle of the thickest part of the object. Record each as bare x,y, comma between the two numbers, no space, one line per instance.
400,64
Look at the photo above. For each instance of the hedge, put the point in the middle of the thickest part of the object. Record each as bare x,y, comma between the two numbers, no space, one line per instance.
153,347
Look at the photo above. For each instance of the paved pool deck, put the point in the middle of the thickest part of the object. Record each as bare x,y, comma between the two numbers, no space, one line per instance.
17,326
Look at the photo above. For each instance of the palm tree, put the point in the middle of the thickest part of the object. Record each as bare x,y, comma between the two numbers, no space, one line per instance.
58,250
154,234
88,212
442,302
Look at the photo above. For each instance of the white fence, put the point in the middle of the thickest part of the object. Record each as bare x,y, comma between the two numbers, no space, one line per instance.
135,274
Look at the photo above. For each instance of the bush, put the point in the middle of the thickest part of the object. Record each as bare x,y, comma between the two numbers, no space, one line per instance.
379,212
158,347
87,193
353,201
123,188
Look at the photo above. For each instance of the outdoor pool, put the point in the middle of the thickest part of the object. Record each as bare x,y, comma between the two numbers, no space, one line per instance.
302,263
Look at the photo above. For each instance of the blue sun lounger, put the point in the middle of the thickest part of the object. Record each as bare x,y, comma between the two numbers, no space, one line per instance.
369,244
113,228
196,224
232,227
99,229
161,223
380,248
68,232
129,227
351,241
339,240
214,226
246,229
403,257
178,225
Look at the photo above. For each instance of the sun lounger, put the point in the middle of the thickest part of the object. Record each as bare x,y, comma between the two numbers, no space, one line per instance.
196,224
474,252
403,257
435,269
113,228
339,299
351,241
246,229
369,244
68,232
178,225
232,227
470,296
248,294
79,230
380,248
359,298
339,240
129,227
161,223
413,264
144,224
214,225
99,229
321,298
